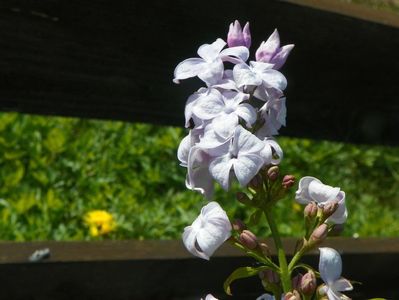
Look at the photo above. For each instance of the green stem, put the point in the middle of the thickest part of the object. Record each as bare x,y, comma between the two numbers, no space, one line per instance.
284,272
296,258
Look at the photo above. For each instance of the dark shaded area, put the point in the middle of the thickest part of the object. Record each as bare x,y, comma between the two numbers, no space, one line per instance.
115,60
173,279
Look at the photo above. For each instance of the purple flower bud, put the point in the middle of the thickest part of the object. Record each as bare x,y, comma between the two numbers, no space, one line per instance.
243,198
239,225
248,239
237,36
294,295
256,182
296,281
272,173
288,181
330,208
310,210
319,234
308,283
271,52
265,249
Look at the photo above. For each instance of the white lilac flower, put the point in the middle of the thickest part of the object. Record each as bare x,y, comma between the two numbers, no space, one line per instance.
242,156
187,143
224,110
237,36
272,153
271,52
209,67
313,190
208,232
330,268
268,82
198,176
266,297
273,113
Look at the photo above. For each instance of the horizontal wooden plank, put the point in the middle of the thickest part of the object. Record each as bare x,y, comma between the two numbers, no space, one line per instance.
11,252
115,60
120,270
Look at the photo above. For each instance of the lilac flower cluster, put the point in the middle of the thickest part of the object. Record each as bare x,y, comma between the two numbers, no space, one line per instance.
233,119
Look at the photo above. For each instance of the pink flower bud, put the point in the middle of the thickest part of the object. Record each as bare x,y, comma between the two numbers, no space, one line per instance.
296,281
239,225
329,208
270,276
256,182
237,36
288,181
248,239
272,173
319,234
308,283
294,295
265,249
310,210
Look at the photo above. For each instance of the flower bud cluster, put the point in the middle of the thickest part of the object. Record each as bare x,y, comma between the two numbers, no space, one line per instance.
233,119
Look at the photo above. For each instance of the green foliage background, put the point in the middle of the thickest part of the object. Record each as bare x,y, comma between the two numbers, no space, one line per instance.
54,170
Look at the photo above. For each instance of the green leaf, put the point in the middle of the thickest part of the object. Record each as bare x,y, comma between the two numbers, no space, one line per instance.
242,272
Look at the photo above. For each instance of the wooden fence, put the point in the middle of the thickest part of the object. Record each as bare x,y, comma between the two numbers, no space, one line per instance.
115,60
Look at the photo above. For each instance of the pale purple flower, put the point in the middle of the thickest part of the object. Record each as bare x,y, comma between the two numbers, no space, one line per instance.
271,52
237,36
274,113
330,268
224,110
198,176
267,297
313,190
268,82
187,143
272,152
208,232
209,67
242,156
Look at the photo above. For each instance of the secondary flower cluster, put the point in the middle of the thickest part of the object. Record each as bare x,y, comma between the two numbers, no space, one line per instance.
233,118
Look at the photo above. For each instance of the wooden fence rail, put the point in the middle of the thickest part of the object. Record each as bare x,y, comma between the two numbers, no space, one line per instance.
122,270
115,60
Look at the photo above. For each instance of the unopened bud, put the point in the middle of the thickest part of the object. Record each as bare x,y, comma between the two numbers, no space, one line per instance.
239,225
256,182
308,283
272,173
288,181
265,249
319,234
243,198
294,295
329,208
296,281
271,277
248,239
310,210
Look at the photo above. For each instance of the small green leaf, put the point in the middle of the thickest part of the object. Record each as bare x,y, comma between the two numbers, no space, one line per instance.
242,272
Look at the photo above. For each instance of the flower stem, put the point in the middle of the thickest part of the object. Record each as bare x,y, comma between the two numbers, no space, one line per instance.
284,272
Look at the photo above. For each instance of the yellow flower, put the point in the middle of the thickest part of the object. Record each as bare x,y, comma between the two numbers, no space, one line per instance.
100,222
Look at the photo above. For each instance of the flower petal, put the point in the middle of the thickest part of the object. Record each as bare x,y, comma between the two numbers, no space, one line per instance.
341,214
279,59
274,79
243,75
245,142
246,167
183,150
220,170
247,113
225,124
210,52
235,55
330,265
209,106
212,73
342,285
321,193
198,176
190,67
302,194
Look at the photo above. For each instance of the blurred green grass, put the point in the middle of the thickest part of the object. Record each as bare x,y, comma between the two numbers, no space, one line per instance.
54,170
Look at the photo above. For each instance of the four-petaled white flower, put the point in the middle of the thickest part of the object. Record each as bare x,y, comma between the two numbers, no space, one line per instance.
242,154
313,190
271,52
208,232
330,268
268,82
209,68
273,113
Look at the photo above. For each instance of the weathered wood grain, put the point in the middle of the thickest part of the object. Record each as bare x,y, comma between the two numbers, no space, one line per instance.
115,60
164,270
